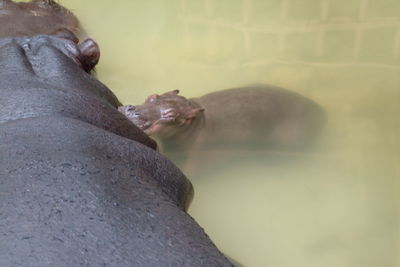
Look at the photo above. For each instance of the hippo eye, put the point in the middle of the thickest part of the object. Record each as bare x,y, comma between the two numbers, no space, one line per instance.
151,98
67,34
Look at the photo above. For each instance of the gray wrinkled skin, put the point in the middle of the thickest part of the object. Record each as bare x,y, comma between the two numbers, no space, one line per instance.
80,185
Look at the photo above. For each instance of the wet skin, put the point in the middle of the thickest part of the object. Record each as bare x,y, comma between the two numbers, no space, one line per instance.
259,117
80,184
46,17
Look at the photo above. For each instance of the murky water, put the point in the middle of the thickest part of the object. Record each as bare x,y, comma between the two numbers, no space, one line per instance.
334,207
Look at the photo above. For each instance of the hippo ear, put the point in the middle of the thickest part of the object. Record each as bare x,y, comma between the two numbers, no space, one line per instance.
173,92
90,54
151,98
194,113
169,114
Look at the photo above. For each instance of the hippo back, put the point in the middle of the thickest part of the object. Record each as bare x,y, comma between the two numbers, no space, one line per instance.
260,116
80,184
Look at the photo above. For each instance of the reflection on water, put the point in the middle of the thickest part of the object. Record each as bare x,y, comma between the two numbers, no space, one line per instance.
336,206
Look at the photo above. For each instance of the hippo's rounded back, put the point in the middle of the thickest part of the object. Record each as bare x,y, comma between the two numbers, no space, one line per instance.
80,184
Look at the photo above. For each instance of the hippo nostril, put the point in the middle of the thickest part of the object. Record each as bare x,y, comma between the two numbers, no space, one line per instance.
131,108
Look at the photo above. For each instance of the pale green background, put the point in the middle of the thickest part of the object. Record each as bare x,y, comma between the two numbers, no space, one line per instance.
337,207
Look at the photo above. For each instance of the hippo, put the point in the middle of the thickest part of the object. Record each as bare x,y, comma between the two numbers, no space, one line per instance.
48,18
80,184
252,117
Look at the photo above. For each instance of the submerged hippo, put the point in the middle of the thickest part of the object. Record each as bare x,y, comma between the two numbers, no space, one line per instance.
48,18
80,185
248,117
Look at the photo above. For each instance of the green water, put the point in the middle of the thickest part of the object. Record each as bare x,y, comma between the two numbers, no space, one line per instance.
335,207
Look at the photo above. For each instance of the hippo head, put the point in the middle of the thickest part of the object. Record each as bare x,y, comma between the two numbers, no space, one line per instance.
46,17
35,17
163,115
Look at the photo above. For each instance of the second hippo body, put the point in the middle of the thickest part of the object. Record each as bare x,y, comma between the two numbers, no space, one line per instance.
261,116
